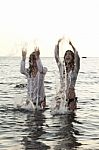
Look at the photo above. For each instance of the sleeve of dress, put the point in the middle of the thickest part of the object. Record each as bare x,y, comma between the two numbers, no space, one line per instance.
41,69
23,70
59,64
77,61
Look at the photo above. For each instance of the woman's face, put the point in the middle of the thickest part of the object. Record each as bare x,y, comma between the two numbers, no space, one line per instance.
68,57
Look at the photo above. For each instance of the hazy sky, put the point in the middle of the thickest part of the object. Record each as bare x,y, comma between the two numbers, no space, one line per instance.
42,22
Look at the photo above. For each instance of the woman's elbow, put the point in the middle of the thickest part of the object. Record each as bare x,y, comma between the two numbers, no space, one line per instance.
45,70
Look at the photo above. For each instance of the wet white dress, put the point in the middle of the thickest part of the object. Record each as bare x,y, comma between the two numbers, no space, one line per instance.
67,80
35,85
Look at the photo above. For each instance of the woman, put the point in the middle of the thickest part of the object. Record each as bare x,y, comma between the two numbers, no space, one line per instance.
35,77
68,73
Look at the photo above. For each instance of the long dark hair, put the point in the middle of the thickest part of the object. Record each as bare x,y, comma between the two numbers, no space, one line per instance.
32,64
72,62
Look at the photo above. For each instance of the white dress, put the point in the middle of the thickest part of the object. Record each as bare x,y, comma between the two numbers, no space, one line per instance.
35,85
67,80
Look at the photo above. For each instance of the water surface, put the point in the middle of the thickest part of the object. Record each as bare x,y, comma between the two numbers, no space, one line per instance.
42,131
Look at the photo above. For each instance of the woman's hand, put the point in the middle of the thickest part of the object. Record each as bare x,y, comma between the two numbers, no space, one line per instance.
70,43
37,52
24,52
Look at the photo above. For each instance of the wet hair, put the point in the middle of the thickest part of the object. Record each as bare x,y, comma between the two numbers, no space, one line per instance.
72,62
32,60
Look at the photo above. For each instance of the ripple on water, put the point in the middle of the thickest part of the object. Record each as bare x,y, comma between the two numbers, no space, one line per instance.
42,131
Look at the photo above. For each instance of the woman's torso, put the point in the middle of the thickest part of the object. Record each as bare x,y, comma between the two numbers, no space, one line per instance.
35,86
68,81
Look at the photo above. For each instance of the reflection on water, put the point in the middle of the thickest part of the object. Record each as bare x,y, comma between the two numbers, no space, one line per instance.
42,131
52,132
66,133
34,123
38,132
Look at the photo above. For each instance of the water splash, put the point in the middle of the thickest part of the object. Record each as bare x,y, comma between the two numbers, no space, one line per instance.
26,105
59,106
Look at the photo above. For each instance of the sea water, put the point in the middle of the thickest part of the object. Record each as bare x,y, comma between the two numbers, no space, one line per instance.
40,130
